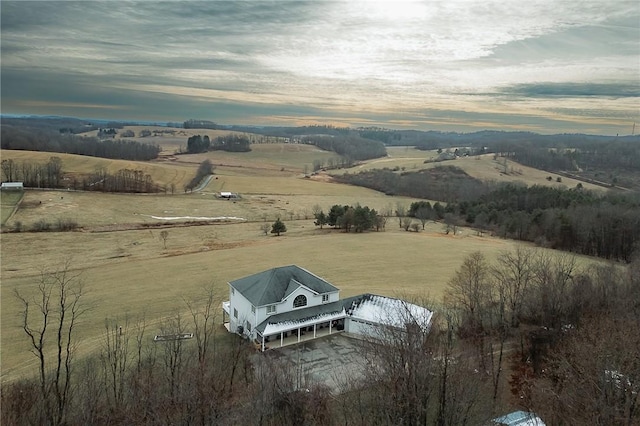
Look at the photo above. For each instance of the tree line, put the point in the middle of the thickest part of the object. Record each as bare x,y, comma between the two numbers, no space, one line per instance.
443,183
574,220
604,225
230,143
351,147
204,169
51,175
50,141
349,218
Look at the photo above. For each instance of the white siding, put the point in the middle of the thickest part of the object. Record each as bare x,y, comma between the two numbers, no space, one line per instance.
243,306
356,326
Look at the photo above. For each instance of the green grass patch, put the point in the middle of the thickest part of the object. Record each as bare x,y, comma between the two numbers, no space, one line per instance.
8,202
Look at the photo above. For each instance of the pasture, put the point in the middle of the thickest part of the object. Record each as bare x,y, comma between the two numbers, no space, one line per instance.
130,273
127,270
8,202
482,167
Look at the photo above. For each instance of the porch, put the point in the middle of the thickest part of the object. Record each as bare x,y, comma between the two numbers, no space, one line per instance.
302,333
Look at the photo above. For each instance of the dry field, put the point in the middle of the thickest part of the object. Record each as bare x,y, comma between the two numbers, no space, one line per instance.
482,167
8,201
127,271
130,272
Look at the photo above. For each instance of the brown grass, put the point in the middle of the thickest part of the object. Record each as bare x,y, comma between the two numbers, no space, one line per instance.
127,271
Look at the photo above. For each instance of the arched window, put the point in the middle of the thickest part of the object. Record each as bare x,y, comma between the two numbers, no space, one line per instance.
300,301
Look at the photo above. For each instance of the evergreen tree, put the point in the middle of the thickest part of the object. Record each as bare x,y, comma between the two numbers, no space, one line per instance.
278,227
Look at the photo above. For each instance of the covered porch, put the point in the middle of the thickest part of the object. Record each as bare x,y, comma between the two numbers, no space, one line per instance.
285,329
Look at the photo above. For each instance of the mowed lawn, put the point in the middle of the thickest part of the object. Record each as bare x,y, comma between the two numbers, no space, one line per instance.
130,272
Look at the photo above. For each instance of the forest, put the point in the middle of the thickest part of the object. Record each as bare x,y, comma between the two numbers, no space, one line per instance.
32,139
604,225
52,175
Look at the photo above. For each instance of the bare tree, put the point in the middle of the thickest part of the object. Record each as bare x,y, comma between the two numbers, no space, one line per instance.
164,234
265,228
514,275
423,214
54,319
553,281
115,360
401,212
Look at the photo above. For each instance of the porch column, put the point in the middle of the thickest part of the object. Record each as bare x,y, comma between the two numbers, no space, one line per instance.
314,331
298,334
330,326
281,338
263,343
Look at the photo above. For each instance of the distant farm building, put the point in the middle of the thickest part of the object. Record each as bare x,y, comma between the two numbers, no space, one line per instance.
12,186
228,195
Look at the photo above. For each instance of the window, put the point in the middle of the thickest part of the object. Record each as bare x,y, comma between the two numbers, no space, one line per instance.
300,301
325,298
233,290
271,309
253,309
248,326
235,313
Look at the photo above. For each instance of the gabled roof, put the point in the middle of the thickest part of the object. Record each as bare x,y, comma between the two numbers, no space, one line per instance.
273,285
297,318
367,307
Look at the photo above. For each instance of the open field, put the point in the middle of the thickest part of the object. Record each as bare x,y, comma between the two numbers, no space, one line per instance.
174,139
8,202
482,167
127,270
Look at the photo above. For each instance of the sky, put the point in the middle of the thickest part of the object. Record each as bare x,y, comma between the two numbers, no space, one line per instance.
545,66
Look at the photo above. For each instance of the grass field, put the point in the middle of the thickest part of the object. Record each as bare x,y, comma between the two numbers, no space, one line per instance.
127,270
482,167
8,202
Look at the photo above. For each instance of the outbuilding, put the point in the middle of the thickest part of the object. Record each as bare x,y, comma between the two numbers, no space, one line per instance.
12,186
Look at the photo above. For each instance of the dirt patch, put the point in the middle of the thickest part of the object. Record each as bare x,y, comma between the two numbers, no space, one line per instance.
322,177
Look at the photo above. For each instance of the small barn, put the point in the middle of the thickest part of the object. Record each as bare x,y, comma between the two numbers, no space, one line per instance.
228,195
12,186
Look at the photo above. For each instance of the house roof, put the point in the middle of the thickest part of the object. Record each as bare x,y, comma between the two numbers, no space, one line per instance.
273,285
519,418
301,317
366,307
387,311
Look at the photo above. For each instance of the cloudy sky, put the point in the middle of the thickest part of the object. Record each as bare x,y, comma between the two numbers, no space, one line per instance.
547,66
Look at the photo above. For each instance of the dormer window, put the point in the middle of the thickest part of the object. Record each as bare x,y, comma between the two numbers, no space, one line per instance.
300,301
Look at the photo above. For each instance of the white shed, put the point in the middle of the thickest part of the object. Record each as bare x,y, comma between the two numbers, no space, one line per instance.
12,186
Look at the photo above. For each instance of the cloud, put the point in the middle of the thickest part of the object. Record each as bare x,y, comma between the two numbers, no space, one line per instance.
571,90
358,59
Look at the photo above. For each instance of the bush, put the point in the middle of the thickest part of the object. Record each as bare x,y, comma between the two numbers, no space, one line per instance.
67,224
41,226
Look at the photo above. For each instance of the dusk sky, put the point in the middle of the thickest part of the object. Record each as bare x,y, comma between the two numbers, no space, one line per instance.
547,66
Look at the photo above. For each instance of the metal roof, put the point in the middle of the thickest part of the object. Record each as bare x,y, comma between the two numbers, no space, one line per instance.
296,317
519,418
273,285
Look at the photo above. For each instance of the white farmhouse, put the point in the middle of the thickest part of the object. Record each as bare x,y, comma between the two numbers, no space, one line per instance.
292,303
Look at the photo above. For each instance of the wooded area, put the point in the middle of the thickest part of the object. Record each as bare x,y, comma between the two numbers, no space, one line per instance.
51,141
